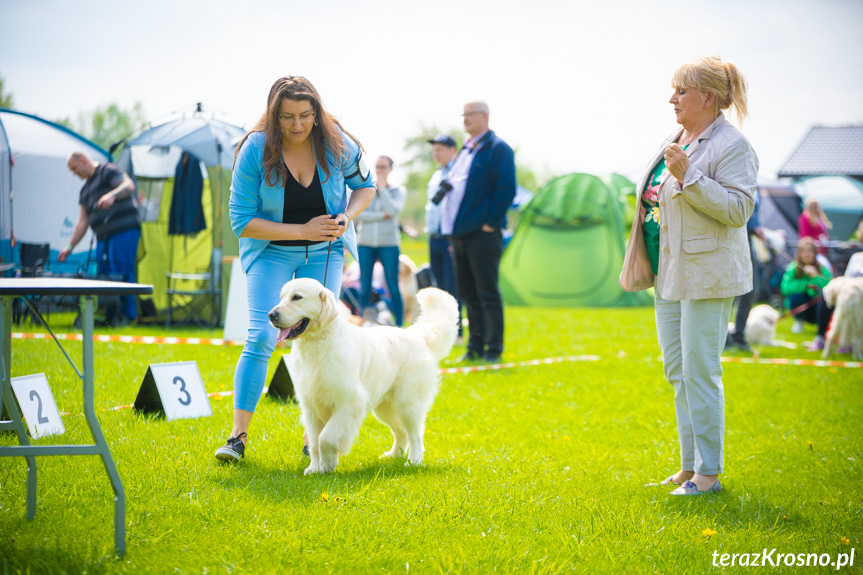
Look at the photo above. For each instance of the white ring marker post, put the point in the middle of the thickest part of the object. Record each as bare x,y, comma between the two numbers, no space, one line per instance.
37,405
175,389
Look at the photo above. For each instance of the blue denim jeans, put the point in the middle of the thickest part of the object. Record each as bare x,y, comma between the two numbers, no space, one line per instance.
274,267
389,258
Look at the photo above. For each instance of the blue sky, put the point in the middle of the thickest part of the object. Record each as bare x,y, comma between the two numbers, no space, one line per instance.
573,86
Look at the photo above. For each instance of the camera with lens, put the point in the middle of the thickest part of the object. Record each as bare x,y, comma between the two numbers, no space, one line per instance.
444,188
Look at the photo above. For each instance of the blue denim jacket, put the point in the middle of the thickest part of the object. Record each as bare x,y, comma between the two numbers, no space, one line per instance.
252,197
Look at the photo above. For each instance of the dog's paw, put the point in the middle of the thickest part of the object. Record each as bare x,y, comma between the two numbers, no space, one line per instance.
410,463
392,454
312,470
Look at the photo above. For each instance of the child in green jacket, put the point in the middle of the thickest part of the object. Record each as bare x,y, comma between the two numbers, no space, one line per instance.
802,283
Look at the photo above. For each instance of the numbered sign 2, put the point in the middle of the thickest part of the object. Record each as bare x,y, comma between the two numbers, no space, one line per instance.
37,405
175,389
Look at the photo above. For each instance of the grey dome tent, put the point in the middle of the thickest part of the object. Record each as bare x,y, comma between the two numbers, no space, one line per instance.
151,159
567,250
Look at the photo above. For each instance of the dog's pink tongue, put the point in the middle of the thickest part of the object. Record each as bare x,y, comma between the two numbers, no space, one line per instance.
283,334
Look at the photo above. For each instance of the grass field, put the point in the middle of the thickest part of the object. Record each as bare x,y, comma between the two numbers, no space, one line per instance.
537,469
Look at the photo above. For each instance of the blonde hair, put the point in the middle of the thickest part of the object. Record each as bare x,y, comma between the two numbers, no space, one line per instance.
817,214
710,74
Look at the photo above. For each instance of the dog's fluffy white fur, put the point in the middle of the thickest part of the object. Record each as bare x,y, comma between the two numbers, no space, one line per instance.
408,287
341,371
761,328
761,325
845,296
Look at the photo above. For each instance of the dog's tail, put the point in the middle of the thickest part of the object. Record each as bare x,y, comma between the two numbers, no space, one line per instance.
438,322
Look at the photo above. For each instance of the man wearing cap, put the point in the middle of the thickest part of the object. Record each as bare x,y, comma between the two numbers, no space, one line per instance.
473,215
444,151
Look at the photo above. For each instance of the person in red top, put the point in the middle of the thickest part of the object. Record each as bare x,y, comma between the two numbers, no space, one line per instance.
813,223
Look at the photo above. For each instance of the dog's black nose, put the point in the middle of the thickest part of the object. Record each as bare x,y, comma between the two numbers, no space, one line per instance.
272,315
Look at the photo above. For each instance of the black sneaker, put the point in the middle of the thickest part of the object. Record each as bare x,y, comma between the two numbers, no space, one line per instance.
233,450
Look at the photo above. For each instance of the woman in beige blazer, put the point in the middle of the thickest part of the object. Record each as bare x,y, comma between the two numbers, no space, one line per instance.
689,242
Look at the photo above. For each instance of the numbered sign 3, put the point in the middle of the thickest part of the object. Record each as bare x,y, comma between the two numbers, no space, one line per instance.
175,389
37,405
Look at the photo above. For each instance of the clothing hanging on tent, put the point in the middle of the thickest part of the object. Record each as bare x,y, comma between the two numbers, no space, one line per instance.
187,211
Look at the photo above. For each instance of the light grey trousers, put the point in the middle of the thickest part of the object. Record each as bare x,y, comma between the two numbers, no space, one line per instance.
692,336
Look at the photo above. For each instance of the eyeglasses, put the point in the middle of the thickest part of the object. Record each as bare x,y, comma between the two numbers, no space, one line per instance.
304,117
466,114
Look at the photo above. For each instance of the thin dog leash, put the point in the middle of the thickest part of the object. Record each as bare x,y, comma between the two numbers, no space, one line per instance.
329,249
802,307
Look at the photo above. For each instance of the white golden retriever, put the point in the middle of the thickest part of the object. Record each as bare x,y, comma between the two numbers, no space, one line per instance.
845,296
341,371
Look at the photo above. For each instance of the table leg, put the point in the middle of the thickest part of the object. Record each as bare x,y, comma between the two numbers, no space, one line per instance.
7,400
98,436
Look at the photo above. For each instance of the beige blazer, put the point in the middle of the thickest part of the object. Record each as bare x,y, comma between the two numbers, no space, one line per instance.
704,249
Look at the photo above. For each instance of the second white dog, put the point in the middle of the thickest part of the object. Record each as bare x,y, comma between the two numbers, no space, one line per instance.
761,325
845,296
341,371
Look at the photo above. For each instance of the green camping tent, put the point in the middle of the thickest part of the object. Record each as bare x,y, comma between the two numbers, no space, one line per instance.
568,248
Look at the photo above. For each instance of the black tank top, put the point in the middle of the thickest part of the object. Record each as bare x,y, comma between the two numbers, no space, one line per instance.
301,205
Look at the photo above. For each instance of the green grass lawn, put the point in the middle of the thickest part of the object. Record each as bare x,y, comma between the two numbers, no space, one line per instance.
536,469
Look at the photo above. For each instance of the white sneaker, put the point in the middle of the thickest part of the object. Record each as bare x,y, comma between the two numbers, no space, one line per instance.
797,327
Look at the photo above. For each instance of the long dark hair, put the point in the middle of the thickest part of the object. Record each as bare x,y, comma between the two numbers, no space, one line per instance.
325,132
807,243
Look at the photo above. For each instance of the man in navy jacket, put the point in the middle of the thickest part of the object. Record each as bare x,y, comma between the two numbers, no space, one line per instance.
473,217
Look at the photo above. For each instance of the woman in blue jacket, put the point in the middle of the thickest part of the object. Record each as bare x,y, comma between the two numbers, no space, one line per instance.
291,211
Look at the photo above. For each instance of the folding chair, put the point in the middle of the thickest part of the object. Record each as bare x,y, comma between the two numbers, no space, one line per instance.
193,293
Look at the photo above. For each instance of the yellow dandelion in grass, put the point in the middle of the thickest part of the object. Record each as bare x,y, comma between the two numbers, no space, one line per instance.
810,444
708,532
325,496
338,499
844,541
785,517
